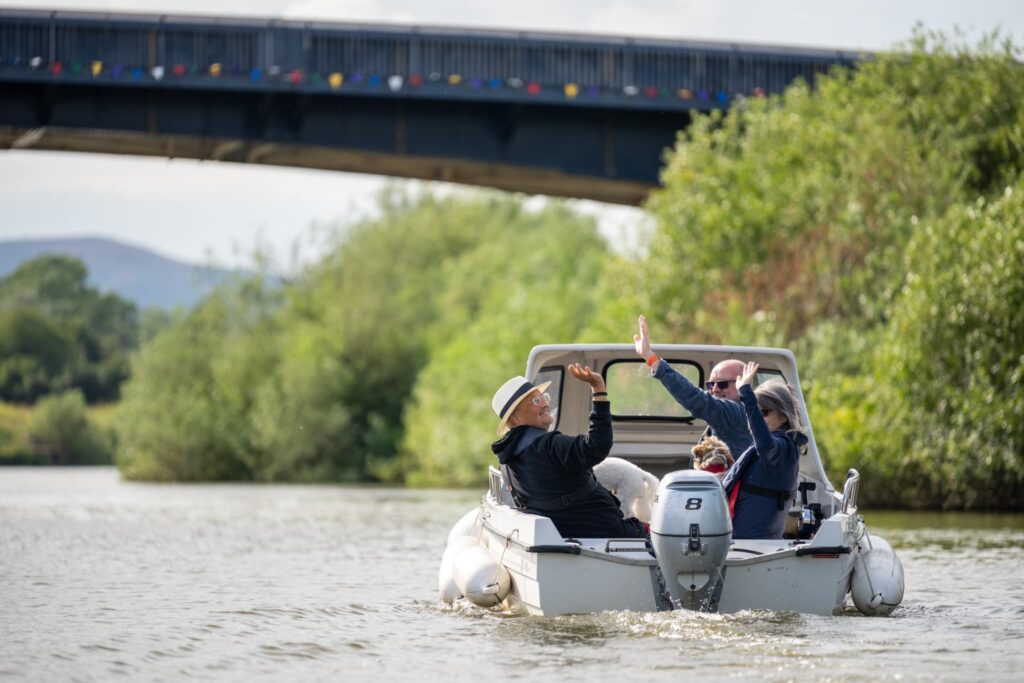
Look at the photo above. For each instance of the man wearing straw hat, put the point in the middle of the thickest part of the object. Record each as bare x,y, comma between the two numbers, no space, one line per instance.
550,473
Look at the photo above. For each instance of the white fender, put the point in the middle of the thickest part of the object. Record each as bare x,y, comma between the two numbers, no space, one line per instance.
877,584
468,525
480,577
447,591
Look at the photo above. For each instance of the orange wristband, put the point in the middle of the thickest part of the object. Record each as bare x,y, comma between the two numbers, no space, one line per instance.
652,360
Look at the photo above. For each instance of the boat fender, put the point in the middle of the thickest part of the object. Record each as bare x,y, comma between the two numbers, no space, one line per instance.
877,584
481,578
447,591
468,525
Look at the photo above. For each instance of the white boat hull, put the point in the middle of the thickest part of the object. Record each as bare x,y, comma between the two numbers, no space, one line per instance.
552,576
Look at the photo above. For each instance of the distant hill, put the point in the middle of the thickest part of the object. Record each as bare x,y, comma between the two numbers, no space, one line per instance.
135,274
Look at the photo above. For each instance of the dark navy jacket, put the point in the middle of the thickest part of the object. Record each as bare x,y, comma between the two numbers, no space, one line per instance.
544,466
773,462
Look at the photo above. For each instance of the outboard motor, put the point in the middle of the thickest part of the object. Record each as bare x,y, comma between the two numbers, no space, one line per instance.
691,531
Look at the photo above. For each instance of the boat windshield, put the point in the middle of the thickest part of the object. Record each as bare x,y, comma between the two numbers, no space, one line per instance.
637,397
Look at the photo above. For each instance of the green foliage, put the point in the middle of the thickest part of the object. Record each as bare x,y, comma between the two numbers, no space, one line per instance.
185,412
58,333
35,355
801,207
61,433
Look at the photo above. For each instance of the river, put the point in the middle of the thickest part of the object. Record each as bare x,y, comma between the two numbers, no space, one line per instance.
103,580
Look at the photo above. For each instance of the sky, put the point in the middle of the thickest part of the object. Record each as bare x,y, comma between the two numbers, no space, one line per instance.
211,212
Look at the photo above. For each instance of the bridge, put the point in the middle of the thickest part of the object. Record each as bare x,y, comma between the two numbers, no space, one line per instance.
557,114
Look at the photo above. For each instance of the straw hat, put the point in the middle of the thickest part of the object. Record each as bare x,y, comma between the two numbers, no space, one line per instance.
511,395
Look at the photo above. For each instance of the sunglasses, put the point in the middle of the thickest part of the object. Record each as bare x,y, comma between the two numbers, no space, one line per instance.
540,398
766,412
722,384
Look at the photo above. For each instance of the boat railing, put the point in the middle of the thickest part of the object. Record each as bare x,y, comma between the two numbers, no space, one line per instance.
496,486
850,490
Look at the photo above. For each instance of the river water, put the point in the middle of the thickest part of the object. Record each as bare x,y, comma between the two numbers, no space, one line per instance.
106,580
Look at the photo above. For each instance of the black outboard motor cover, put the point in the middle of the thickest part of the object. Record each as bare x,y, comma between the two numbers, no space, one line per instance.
691,531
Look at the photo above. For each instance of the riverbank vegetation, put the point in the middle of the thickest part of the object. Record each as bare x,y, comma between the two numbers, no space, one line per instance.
874,224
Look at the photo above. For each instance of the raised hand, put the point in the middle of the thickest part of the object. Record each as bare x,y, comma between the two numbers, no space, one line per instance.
642,341
749,373
584,373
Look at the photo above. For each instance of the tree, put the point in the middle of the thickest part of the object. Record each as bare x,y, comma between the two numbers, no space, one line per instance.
60,333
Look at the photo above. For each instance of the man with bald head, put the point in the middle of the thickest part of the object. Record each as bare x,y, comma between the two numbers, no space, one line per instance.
719,405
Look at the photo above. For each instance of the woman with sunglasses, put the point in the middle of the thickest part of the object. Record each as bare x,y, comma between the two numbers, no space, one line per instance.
761,481
552,474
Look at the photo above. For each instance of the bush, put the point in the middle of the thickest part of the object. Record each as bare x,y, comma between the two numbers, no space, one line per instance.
61,434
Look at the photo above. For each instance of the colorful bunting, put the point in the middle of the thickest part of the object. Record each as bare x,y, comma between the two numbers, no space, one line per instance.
395,82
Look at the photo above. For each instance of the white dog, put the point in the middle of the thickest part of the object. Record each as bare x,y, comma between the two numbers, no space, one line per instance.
634,487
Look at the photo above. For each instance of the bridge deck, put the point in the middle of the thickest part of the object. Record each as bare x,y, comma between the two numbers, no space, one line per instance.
564,114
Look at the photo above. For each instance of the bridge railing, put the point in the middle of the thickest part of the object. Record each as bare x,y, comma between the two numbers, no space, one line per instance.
396,61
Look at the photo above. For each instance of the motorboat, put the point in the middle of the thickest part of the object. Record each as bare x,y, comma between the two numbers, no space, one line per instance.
502,558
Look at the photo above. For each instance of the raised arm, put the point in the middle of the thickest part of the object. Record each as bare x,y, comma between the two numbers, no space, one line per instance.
763,439
576,453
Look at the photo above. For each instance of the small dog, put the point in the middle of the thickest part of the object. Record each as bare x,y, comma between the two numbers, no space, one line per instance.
634,487
712,455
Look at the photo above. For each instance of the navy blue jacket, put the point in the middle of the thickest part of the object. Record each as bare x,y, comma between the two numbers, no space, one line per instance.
545,466
773,462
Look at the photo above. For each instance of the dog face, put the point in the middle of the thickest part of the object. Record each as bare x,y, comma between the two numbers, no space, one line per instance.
712,455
